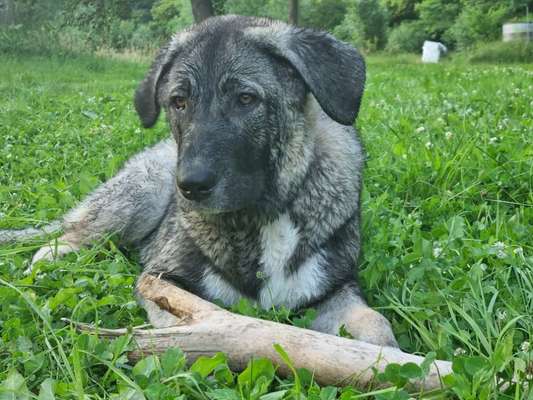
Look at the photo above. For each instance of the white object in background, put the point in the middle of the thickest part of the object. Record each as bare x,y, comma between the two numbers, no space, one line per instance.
431,51
517,31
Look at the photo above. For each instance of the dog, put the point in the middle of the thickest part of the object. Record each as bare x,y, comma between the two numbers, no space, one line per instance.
256,194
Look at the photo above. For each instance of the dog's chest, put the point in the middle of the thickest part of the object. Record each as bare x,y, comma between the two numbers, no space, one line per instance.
278,241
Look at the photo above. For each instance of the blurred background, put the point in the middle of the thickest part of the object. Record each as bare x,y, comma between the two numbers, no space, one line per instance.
388,26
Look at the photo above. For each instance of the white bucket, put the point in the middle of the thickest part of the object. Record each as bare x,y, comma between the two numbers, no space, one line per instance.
517,31
432,51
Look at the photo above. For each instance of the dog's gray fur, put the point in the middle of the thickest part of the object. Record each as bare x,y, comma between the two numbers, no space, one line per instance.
281,223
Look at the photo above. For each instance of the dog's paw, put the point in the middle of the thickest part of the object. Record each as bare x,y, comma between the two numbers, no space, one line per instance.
50,252
368,325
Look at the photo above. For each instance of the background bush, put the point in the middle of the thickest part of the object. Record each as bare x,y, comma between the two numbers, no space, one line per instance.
500,52
365,25
407,37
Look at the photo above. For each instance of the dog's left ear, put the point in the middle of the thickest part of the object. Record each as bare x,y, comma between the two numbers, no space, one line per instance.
333,70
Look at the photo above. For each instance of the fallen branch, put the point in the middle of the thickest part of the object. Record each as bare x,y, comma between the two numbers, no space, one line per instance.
208,329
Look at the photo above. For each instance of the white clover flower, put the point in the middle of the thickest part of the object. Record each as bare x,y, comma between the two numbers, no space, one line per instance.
499,248
525,346
437,250
519,251
420,129
448,135
498,245
459,351
501,315
429,145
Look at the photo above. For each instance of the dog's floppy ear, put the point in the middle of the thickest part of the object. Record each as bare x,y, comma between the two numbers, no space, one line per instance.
333,70
146,101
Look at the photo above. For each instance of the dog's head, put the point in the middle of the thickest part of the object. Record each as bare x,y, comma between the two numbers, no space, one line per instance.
235,91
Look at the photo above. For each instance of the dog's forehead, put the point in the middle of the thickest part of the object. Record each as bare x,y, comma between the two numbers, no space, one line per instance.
223,49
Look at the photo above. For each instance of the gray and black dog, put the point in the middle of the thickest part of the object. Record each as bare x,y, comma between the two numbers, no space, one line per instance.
257,193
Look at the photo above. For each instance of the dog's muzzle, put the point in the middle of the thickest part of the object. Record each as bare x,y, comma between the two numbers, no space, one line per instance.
196,184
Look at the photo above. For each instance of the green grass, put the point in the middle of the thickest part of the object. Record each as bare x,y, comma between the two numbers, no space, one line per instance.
448,228
519,51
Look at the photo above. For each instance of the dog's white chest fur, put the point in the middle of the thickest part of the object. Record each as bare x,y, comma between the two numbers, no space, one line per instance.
279,240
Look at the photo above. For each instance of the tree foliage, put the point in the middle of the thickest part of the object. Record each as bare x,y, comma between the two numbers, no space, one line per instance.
398,25
364,24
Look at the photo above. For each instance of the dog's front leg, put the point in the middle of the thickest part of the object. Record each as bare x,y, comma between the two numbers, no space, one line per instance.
347,308
130,205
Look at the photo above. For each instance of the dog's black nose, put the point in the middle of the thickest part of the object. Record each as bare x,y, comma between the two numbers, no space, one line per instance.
196,184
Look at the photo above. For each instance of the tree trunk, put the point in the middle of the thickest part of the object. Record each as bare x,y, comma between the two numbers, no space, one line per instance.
7,12
206,329
293,12
202,9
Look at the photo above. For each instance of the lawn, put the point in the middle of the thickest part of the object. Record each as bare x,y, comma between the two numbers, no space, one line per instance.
448,228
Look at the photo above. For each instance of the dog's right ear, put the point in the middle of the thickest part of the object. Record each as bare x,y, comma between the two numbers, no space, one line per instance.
146,102
146,96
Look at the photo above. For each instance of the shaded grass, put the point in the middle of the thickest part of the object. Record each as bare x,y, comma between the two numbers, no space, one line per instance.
447,211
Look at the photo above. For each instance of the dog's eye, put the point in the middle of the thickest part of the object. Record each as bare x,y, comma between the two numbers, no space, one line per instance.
180,103
246,98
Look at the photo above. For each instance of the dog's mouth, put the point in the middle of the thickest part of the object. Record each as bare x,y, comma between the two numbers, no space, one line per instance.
206,202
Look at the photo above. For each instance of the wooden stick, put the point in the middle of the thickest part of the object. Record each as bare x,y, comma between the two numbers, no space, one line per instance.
208,329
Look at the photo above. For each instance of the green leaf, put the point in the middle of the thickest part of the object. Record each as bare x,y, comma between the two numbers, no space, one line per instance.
274,395
428,360
475,364
256,368
306,320
46,390
244,307
14,387
328,393
503,353
128,394
223,394
145,369
172,361
456,228
255,380
66,296
410,371
205,365
285,357
393,375
89,114
223,374
158,391
120,345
